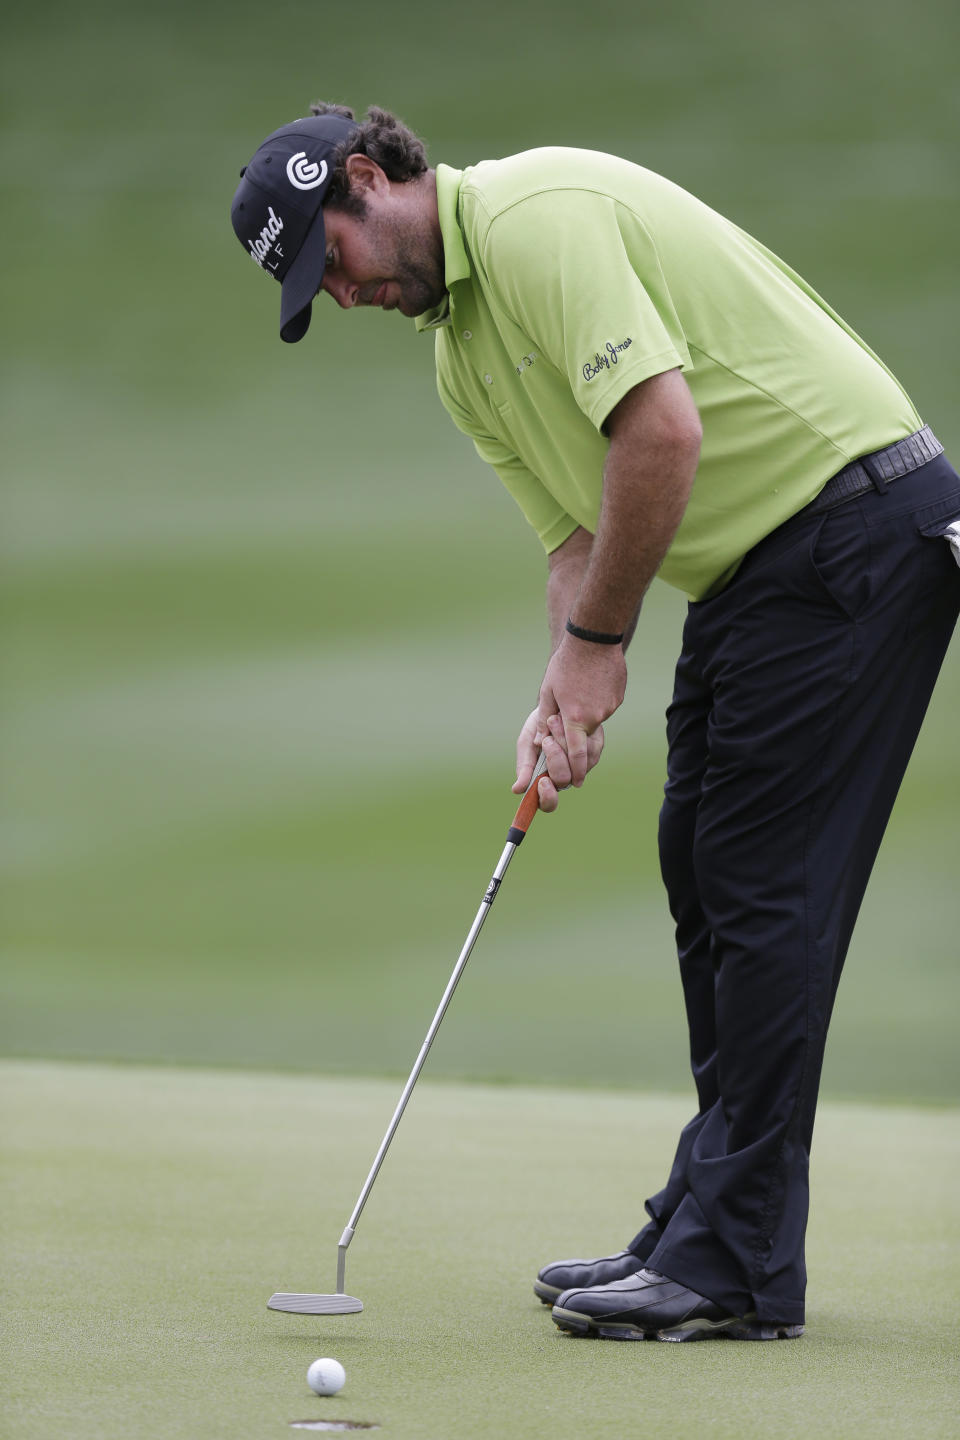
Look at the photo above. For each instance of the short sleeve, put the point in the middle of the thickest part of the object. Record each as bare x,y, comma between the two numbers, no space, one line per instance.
581,274
541,510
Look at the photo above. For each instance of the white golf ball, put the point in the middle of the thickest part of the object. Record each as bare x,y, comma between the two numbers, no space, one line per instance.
326,1377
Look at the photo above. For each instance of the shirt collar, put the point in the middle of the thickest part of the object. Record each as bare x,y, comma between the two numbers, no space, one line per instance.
456,265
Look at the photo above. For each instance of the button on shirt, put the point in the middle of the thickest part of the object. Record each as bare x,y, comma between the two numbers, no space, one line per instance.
573,276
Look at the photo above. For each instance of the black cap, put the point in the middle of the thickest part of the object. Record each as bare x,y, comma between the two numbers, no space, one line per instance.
277,211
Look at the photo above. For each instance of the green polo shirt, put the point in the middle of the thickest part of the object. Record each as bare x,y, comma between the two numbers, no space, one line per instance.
573,276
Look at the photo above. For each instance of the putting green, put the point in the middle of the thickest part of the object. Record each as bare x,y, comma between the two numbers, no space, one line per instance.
269,625
149,1213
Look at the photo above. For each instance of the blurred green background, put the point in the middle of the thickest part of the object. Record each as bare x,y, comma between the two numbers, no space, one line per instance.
269,628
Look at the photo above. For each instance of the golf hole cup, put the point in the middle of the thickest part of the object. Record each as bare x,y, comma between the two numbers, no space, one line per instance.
326,1377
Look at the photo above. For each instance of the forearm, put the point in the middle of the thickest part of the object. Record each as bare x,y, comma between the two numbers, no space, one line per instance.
600,581
568,565
646,485
563,588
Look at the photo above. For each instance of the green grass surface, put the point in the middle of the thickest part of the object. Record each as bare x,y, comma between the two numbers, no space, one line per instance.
148,1214
268,631
227,903
269,628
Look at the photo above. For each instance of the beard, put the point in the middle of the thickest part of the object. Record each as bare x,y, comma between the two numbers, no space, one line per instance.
414,263
421,288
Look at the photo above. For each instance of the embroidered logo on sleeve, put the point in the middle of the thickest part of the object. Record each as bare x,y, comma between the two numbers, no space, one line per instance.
604,359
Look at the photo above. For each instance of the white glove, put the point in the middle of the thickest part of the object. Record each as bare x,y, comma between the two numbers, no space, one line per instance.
952,536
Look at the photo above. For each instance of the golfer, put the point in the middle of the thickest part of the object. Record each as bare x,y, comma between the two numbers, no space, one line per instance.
662,395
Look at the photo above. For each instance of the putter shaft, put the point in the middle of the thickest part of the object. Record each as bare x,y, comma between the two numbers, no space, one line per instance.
340,1303
518,829
509,851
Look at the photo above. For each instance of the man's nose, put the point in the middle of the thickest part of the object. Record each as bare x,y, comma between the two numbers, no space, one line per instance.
341,290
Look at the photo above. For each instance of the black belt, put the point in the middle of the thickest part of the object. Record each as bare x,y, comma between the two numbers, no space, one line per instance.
874,472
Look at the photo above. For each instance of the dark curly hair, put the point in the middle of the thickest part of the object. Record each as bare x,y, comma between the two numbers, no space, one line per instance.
400,154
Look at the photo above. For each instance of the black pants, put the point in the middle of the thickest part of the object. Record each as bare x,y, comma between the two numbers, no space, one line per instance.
799,695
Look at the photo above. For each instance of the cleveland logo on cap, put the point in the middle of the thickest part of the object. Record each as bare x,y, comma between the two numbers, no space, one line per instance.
262,244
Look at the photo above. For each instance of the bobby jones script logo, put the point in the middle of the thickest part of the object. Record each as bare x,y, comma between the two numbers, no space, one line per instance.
305,174
603,361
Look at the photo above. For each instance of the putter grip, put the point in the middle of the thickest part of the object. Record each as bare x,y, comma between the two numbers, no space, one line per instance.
528,806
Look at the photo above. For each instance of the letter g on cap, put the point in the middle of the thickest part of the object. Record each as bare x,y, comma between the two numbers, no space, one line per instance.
305,174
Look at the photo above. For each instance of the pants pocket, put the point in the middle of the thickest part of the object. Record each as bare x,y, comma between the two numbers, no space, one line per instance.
942,521
841,559
939,525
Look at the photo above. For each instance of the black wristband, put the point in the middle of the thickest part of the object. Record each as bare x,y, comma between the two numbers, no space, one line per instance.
596,636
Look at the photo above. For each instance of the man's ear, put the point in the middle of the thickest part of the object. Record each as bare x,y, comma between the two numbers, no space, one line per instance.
365,174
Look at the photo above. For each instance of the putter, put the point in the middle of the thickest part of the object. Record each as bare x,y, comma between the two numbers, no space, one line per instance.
340,1303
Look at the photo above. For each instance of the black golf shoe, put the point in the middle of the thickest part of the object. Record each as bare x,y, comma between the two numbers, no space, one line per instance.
648,1306
582,1274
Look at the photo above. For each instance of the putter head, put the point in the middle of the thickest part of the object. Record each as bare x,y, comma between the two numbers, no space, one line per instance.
315,1304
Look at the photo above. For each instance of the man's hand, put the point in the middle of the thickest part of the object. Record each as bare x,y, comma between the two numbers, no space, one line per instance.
583,685
551,739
